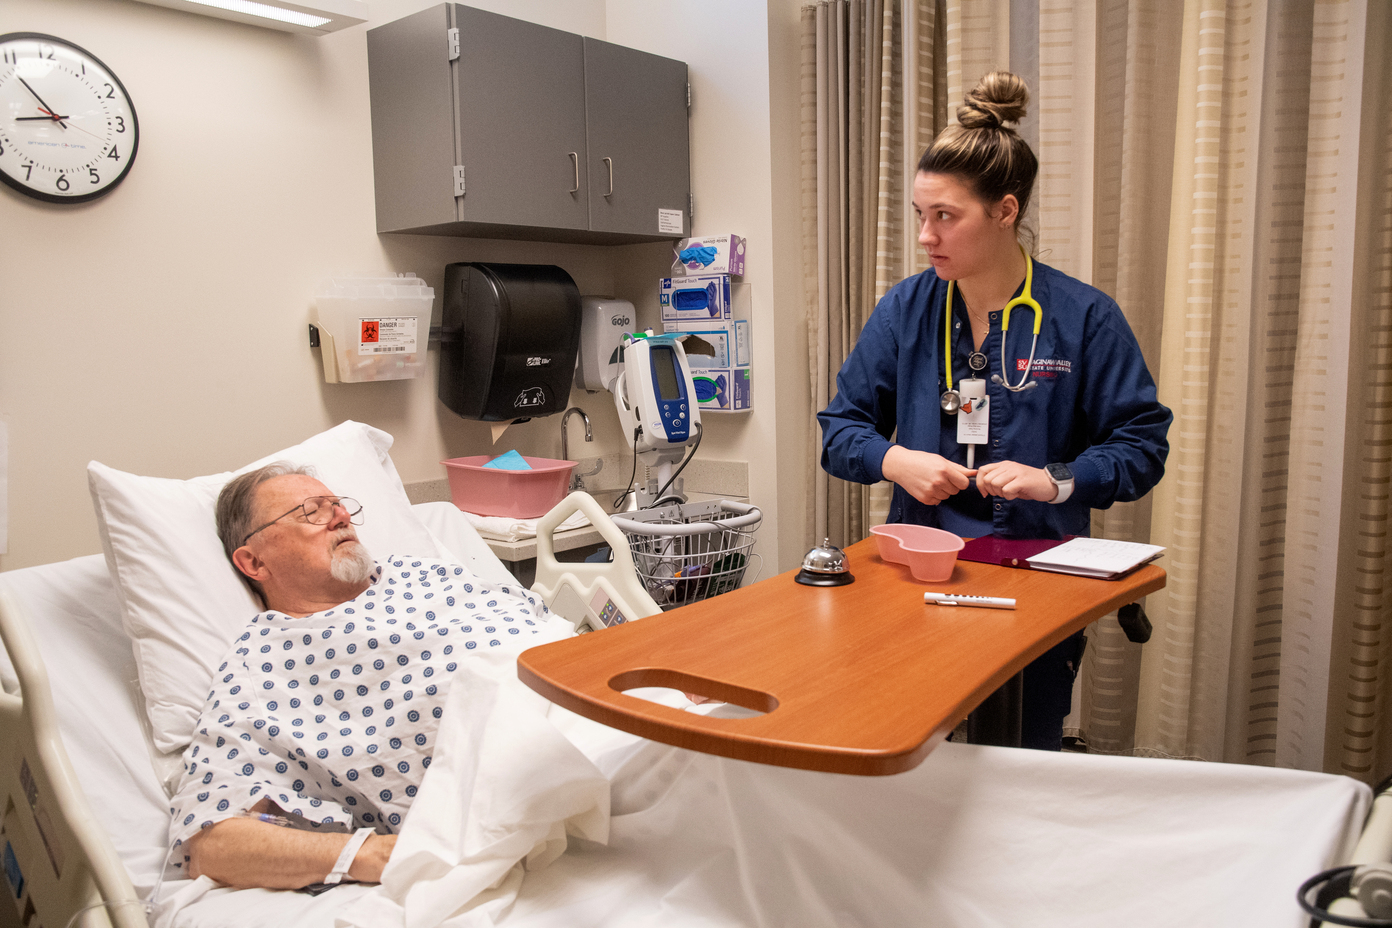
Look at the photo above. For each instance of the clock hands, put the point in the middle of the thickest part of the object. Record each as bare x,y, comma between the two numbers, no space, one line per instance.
54,117
42,105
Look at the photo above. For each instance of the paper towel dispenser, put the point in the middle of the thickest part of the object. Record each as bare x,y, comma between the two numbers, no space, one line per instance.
508,341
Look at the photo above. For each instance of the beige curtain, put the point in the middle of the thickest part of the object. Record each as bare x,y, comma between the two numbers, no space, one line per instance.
1222,168
866,117
1241,214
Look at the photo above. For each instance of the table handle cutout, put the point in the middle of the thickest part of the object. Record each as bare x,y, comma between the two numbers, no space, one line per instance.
754,700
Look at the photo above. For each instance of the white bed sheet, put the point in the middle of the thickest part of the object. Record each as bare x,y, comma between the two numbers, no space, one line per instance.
974,836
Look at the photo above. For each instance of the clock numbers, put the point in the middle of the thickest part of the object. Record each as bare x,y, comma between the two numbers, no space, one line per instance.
59,120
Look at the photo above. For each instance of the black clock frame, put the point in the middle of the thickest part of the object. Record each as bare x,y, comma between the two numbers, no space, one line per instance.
135,127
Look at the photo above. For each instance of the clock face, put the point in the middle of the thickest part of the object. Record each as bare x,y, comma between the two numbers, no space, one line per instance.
67,128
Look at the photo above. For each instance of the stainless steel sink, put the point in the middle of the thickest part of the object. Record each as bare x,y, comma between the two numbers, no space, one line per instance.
605,496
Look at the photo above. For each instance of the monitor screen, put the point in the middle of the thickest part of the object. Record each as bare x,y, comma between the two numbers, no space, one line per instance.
664,362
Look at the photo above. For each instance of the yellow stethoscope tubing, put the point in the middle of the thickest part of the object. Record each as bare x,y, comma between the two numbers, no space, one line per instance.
1025,299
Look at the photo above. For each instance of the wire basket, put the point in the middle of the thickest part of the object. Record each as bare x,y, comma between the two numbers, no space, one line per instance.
690,552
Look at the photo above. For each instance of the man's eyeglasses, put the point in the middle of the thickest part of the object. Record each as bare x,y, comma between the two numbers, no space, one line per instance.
318,510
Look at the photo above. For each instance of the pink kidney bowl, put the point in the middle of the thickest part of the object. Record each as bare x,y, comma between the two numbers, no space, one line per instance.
929,553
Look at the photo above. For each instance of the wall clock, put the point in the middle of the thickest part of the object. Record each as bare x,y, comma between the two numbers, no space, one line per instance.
68,132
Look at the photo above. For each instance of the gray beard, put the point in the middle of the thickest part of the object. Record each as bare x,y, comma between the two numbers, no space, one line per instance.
352,565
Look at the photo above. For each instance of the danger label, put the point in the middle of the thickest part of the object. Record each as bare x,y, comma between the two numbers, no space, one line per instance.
387,335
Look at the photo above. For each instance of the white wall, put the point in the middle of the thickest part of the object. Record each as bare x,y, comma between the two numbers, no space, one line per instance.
167,320
735,180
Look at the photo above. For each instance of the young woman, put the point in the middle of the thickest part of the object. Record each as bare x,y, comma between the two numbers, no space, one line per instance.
1072,421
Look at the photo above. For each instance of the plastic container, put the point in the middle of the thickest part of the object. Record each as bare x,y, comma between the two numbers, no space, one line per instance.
930,553
516,494
373,328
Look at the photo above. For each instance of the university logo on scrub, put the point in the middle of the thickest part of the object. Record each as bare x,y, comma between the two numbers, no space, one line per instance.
1045,367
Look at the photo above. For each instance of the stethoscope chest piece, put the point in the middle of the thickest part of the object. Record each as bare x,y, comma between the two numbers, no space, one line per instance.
951,402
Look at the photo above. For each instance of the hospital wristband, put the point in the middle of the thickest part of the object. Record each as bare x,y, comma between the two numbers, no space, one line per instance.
350,853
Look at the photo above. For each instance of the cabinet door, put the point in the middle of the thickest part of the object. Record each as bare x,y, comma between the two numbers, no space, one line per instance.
413,143
638,141
520,122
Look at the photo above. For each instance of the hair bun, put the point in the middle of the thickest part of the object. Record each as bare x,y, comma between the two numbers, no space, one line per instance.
998,98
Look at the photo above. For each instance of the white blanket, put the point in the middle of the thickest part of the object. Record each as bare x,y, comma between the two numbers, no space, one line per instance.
503,791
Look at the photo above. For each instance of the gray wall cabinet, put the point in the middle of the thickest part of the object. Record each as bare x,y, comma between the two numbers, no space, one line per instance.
485,125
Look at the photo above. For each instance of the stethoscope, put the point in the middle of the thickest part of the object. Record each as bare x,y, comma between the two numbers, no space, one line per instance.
951,399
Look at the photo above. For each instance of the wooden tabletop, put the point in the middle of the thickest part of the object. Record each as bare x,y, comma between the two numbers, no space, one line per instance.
861,679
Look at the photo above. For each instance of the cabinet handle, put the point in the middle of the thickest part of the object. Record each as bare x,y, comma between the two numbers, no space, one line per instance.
575,163
610,163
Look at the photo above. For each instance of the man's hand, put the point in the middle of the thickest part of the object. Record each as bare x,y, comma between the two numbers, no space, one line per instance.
1012,480
245,853
927,477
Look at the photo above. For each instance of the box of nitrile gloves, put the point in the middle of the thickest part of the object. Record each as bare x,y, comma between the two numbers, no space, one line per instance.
713,254
722,389
709,298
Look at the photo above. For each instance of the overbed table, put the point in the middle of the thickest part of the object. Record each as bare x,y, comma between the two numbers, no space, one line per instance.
860,679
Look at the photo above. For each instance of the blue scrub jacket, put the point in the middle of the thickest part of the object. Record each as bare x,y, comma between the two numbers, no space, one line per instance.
1095,408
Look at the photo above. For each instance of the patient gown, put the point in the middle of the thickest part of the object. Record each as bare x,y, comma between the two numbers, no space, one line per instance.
334,715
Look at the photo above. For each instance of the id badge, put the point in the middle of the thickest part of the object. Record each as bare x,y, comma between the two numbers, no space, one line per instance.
973,420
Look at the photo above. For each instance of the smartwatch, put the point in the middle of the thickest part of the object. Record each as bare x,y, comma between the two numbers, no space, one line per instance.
1062,476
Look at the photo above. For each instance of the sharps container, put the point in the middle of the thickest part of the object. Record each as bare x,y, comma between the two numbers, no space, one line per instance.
374,328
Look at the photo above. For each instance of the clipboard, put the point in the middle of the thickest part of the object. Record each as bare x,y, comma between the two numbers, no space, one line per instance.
1016,552
1007,552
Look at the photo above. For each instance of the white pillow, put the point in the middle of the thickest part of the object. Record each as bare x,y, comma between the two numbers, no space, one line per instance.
182,603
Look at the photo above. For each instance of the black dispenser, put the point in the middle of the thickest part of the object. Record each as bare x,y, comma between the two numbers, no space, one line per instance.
509,338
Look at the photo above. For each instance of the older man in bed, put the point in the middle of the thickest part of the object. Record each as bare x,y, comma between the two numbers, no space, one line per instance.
324,711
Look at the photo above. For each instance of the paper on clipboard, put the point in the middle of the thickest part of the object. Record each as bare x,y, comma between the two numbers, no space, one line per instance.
1102,558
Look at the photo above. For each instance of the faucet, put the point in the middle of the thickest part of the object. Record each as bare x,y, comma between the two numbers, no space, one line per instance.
575,482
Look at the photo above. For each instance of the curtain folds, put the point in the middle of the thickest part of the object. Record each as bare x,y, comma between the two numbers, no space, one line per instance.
866,118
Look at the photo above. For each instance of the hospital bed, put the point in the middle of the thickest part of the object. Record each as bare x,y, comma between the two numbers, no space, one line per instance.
973,836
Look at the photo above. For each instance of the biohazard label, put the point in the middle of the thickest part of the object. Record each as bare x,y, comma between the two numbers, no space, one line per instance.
387,335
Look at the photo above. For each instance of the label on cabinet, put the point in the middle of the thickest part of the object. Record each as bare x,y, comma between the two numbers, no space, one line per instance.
669,222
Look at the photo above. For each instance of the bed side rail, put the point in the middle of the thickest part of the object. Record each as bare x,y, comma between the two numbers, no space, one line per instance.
594,595
57,860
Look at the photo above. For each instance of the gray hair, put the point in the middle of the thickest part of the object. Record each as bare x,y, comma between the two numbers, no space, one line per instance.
236,507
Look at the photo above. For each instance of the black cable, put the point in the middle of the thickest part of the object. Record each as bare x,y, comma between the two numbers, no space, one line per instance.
1320,914
618,500
700,430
